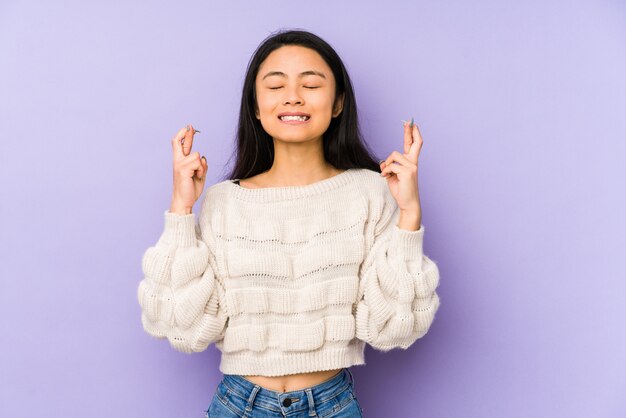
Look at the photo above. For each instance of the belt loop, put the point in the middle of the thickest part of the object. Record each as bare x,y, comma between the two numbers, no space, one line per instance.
250,404
351,377
309,395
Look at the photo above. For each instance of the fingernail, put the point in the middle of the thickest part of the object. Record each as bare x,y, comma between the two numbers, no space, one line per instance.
411,121
187,128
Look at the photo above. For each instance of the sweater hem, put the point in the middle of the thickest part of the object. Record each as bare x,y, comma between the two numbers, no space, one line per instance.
249,363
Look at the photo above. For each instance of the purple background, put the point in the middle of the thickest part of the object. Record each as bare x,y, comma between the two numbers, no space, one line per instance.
523,112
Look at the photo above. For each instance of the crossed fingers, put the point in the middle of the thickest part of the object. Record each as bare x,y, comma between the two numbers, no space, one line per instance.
397,163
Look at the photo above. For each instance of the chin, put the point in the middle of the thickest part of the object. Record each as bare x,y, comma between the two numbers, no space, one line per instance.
291,138
294,134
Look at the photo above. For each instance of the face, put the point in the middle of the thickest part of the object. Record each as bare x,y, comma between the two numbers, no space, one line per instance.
295,79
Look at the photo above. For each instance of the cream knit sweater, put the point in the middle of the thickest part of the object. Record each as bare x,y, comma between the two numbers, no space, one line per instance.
291,279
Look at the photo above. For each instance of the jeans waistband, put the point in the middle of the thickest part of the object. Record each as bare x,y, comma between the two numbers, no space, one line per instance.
319,393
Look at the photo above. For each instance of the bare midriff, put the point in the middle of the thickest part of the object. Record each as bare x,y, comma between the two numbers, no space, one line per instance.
293,381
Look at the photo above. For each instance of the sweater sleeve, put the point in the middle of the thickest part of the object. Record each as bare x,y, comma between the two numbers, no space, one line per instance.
397,298
180,294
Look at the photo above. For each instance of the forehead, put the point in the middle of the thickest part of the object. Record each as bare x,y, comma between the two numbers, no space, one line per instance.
292,60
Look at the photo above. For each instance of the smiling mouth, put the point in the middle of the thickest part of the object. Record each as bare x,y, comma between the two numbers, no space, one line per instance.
294,118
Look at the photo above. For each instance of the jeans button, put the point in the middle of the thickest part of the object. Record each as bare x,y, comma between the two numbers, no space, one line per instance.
287,402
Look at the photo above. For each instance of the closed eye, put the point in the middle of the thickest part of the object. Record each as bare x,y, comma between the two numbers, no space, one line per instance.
307,87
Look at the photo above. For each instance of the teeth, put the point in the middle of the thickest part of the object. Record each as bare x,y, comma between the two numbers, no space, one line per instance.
300,118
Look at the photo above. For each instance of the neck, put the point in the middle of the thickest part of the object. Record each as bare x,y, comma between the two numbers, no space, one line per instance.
298,164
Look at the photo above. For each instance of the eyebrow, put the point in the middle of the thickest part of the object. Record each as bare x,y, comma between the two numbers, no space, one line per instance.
302,74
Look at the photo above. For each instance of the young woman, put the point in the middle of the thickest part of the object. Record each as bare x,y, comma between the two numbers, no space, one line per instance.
308,251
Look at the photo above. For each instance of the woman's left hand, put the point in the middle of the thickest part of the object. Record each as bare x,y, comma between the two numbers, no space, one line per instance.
402,177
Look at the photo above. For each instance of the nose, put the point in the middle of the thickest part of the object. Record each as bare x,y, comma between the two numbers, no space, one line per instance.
292,97
292,101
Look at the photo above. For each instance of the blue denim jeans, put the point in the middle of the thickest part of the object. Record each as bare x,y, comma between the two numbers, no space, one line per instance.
237,397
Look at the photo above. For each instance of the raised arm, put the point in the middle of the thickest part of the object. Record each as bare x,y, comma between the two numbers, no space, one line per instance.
180,294
397,298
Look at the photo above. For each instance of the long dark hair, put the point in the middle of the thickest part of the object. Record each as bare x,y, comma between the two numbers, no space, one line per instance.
344,146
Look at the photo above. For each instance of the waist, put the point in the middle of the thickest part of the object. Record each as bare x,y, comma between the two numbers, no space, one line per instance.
320,392
292,382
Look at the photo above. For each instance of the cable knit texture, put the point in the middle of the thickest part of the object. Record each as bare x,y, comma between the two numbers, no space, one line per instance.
290,279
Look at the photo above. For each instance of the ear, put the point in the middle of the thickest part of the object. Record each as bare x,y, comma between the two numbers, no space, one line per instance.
338,105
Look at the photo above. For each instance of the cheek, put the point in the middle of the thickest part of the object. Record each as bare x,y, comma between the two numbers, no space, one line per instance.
268,105
323,103
262,102
263,99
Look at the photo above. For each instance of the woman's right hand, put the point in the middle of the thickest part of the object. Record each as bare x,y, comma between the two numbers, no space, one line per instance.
189,172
